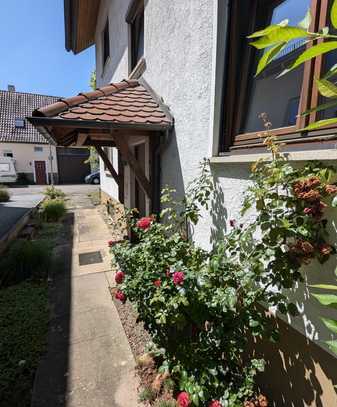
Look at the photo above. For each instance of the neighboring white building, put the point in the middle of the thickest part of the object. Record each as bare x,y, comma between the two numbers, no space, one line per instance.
35,159
195,55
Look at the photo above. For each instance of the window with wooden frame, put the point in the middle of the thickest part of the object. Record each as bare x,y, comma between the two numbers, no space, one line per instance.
247,96
135,19
105,43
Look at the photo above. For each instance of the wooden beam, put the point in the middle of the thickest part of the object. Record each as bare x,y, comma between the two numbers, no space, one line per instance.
107,163
81,139
123,147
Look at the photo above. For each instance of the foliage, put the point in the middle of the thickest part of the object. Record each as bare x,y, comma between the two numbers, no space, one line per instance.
4,194
52,210
166,403
24,259
328,300
147,394
54,193
93,159
23,331
93,80
274,38
202,307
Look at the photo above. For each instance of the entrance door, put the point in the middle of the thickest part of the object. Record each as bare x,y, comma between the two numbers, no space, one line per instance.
40,172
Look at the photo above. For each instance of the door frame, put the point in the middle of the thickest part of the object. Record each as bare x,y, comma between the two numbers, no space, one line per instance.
45,165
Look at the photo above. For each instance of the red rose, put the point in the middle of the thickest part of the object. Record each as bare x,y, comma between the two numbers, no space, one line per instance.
119,277
178,277
110,243
120,296
144,223
215,403
232,223
325,249
157,283
167,272
183,399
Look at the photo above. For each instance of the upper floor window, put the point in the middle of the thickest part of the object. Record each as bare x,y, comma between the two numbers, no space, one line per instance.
105,43
135,19
38,149
248,96
8,153
19,123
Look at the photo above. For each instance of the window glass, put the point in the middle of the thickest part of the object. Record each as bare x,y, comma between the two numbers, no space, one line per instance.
137,38
106,43
38,149
8,154
278,97
19,123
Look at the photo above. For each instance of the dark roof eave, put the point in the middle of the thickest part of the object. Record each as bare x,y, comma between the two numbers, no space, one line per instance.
92,124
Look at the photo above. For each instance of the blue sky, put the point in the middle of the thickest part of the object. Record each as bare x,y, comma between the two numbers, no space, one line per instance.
32,52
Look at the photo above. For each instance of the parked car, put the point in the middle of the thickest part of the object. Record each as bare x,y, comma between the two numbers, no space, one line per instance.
7,170
93,178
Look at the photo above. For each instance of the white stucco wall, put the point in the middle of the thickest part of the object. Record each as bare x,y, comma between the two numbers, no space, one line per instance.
24,156
181,59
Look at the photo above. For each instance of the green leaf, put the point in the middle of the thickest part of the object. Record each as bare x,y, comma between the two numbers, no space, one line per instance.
332,345
323,106
320,123
269,29
331,72
333,14
268,56
326,299
283,34
324,286
330,324
326,88
305,23
310,53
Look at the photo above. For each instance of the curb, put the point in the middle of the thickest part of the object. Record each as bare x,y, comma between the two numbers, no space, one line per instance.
15,230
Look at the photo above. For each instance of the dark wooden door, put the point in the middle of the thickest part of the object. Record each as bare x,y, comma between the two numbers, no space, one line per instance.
40,173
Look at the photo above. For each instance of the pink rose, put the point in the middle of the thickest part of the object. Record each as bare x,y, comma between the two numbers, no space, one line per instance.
119,277
178,278
183,399
215,403
157,283
120,296
144,223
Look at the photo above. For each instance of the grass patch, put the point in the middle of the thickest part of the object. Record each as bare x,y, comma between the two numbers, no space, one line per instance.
23,331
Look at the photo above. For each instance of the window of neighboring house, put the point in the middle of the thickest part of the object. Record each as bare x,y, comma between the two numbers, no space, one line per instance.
282,99
8,153
38,149
105,43
135,19
19,123
4,167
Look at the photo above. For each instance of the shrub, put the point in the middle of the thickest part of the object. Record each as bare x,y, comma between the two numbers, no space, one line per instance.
4,194
52,210
201,308
54,193
147,394
24,259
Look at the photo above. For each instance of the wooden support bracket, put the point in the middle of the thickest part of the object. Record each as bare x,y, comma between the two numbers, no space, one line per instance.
107,163
123,147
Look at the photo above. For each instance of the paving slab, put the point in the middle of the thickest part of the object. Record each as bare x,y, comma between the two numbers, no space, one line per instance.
89,362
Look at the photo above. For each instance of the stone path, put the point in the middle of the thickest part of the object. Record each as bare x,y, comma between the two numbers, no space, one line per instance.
89,362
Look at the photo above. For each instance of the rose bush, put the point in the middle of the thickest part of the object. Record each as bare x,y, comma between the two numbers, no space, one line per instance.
202,307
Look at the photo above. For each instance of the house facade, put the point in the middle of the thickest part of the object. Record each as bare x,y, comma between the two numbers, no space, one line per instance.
36,160
193,61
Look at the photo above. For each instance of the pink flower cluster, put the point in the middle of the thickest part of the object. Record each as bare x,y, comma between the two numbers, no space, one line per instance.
120,296
183,400
178,278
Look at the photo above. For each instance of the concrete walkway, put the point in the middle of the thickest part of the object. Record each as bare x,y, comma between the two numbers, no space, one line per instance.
89,362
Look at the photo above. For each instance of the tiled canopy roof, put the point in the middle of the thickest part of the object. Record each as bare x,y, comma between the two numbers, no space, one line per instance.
127,102
17,105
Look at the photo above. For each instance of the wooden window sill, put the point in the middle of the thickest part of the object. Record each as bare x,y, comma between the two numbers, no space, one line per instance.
139,69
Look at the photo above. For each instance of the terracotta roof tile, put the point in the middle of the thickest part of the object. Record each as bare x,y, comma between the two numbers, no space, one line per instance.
124,102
